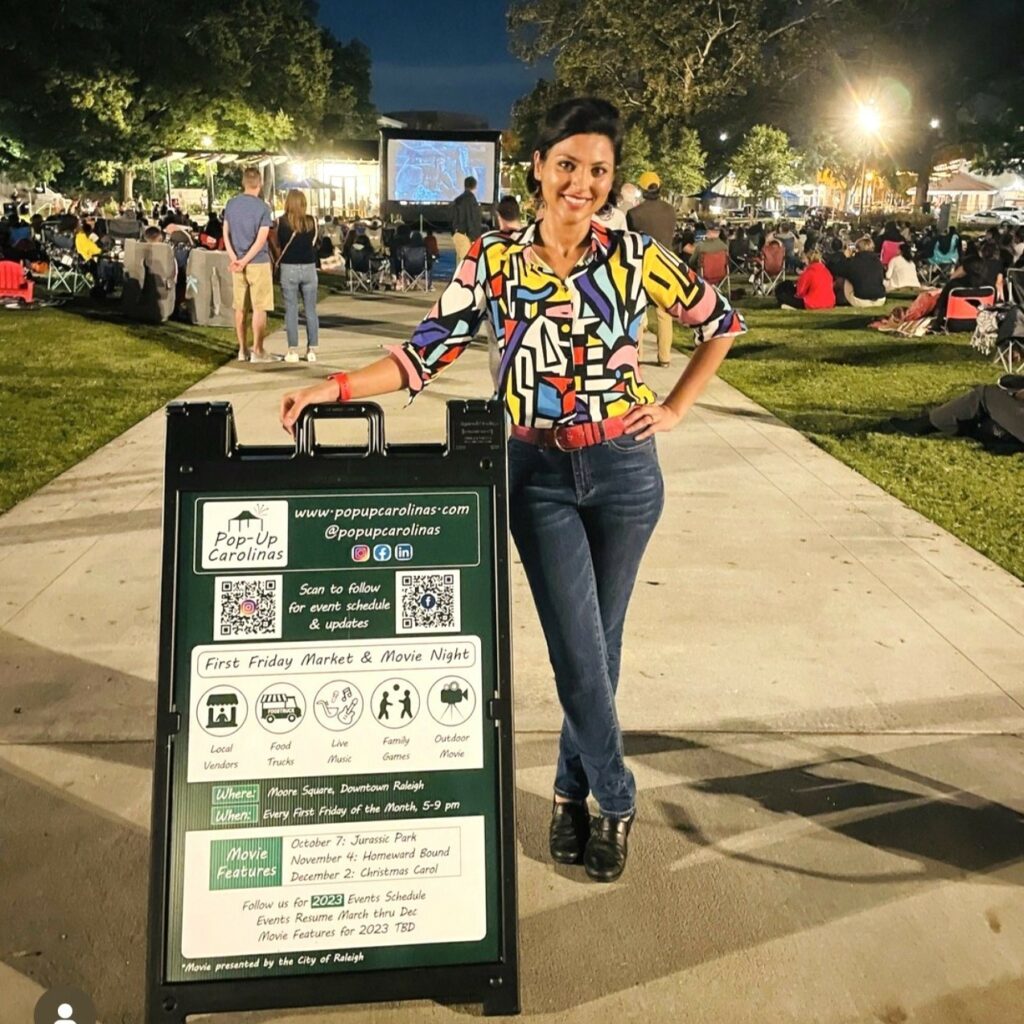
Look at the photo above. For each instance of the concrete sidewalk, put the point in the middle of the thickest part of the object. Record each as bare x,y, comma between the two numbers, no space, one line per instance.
823,693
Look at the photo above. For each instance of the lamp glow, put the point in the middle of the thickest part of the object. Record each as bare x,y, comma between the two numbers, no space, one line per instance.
869,120
934,123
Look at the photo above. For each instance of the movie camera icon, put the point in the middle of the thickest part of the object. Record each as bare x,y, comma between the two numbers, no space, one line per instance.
451,701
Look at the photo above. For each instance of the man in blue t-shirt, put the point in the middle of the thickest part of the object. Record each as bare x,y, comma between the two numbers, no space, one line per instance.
246,228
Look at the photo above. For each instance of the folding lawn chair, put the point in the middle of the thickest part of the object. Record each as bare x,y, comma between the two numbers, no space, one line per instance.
1015,285
64,273
769,268
415,270
963,305
363,276
13,282
714,268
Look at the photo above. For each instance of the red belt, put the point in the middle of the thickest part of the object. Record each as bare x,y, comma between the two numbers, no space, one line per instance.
566,439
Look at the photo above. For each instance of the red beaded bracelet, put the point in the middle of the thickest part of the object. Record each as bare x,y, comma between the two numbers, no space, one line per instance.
344,386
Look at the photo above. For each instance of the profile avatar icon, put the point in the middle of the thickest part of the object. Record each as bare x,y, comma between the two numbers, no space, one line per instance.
64,1004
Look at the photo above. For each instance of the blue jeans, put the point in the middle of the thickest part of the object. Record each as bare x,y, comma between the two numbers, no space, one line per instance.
296,279
581,521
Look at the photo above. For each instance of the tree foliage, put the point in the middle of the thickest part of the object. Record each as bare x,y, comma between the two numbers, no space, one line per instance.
667,59
716,65
109,84
763,161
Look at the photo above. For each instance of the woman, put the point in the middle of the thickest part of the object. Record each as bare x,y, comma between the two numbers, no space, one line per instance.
295,254
889,242
739,249
902,271
566,299
813,289
981,268
863,276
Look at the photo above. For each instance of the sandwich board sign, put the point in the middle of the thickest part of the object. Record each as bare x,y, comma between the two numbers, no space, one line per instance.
333,813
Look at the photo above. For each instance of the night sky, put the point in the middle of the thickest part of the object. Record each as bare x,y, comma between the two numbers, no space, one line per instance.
443,56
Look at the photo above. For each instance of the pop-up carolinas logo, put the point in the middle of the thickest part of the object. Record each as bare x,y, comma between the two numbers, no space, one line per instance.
246,534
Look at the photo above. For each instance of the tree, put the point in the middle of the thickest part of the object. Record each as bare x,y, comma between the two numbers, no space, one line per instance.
251,74
671,60
679,159
763,161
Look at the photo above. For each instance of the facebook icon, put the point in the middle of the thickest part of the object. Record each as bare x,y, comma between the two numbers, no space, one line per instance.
403,552
382,553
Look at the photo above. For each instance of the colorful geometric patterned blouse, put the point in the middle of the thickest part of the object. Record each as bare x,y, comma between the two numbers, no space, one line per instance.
568,349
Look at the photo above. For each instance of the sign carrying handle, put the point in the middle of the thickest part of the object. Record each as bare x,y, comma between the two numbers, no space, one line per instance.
305,429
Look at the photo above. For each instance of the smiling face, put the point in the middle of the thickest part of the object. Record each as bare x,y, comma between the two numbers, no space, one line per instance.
575,177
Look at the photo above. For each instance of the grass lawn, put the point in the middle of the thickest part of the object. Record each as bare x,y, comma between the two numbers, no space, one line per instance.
832,378
74,377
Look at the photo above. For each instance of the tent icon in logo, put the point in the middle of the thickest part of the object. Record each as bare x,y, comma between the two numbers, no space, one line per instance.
243,522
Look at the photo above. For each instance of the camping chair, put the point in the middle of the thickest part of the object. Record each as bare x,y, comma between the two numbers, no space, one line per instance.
963,305
943,261
769,268
13,282
414,273
714,268
1015,285
363,276
65,272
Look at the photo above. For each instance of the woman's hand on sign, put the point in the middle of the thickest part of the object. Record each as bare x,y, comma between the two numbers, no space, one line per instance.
645,421
294,402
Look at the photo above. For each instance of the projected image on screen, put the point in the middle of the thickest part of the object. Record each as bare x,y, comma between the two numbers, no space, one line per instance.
429,171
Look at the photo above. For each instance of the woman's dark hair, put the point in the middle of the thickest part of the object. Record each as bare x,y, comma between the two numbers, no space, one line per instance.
586,115
906,252
988,250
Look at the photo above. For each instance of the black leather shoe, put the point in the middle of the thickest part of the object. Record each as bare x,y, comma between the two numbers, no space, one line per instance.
605,855
569,832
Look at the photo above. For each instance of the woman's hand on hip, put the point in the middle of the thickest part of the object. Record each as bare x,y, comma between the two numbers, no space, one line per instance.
644,421
292,404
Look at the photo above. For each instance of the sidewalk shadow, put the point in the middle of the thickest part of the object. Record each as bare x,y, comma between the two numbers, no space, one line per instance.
708,878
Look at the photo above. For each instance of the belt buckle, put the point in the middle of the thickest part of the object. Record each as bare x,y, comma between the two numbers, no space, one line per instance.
558,443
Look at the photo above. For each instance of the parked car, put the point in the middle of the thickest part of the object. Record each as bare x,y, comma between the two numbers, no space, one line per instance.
988,218
1011,214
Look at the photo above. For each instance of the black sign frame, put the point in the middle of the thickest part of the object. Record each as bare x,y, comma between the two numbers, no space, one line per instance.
202,454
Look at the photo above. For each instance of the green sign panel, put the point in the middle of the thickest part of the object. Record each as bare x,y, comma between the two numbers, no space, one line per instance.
335,660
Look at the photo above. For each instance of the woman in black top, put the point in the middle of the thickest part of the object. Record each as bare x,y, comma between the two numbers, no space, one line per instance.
296,247
981,268
864,275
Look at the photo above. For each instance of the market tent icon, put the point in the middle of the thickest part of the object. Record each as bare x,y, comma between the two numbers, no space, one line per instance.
221,711
244,520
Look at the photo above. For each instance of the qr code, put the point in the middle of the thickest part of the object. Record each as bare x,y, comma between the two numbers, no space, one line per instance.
428,602
247,608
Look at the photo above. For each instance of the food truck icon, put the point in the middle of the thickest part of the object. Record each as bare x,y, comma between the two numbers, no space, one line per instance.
274,706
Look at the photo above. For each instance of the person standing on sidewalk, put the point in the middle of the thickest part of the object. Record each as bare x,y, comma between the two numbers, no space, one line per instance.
467,224
654,217
565,299
294,245
246,229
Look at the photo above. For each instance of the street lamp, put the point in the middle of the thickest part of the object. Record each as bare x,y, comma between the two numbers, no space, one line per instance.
870,121
934,124
723,136
207,143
